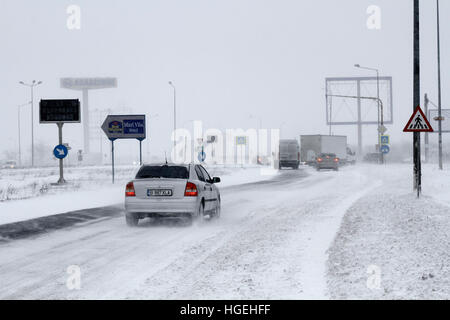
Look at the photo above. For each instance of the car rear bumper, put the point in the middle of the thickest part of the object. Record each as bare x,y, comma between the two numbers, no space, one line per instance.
327,165
162,207
289,163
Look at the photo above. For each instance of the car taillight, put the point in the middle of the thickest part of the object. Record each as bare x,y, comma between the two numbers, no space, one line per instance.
336,159
129,190
190,190
319,159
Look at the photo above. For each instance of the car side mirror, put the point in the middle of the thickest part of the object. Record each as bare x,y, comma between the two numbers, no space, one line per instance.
215,180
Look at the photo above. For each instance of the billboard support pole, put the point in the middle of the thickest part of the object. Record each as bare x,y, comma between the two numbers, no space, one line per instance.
140,152
61,164
358,93
112,159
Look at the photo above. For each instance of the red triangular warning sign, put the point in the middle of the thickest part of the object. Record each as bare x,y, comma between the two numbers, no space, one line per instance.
418,122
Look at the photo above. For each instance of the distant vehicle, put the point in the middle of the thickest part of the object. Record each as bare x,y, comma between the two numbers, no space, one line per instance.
327,161
289,154
171,190
263,160
373,157
313,145
10,164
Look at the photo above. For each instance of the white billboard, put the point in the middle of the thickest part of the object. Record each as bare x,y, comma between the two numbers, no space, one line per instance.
88,83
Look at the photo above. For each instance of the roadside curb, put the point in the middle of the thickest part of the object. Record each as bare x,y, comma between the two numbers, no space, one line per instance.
27,228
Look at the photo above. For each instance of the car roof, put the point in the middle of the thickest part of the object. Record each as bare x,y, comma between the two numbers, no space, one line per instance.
170,164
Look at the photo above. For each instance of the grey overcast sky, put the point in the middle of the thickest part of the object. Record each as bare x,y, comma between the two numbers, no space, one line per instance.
227,58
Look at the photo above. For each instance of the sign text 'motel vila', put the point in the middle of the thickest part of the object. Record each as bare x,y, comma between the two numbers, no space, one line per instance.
124,126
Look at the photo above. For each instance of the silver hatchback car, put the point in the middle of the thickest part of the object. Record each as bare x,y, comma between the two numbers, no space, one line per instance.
171,190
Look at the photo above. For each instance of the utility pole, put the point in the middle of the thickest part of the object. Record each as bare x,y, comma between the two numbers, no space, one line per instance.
416,98
439,86
427,144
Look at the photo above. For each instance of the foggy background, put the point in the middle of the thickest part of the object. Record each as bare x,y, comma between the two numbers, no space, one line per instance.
228,60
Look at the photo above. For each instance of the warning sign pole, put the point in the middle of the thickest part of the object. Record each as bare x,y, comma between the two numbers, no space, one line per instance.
416,98
61,161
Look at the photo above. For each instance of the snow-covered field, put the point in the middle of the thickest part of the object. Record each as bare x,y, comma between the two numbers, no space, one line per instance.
298,234
26,183
88,187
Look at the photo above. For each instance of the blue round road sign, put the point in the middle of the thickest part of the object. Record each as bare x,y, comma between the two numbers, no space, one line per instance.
60,151
384,149
201,156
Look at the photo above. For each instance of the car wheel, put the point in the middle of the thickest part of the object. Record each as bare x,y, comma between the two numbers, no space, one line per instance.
131,220
216,213
201,212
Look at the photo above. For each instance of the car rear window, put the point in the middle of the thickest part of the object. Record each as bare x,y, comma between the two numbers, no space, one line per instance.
175,172
330,155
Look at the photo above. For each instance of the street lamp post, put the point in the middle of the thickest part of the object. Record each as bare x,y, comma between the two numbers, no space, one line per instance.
31,86
18,130
174,112
380,122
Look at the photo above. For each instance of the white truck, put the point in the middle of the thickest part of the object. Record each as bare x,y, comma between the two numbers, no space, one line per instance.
313,145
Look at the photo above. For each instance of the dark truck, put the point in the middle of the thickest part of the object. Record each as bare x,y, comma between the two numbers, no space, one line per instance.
289,155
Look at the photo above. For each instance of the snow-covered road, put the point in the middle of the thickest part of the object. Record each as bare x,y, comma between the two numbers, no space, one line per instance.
270,242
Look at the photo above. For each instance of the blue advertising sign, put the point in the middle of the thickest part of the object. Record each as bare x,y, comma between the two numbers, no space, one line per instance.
125,126
60,151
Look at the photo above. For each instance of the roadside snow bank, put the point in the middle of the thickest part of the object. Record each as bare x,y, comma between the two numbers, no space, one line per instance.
392,245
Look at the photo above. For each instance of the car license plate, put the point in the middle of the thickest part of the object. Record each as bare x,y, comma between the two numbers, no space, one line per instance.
159,192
